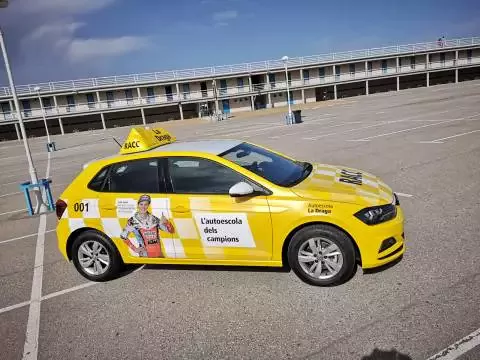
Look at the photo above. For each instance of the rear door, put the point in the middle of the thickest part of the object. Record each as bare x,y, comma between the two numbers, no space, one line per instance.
134,210
209,223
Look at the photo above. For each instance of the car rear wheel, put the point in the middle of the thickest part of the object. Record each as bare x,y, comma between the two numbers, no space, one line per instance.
321,255
95,257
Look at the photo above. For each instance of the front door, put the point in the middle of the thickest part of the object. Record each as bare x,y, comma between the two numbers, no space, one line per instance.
209,223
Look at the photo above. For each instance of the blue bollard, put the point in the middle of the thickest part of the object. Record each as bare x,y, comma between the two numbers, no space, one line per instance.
51,146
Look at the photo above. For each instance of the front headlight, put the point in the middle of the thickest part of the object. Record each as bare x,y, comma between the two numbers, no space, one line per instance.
377,214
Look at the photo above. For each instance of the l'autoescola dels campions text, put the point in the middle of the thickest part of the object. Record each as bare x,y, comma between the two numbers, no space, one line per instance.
235,221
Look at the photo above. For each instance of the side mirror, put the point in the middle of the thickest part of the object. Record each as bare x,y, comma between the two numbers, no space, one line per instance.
241,189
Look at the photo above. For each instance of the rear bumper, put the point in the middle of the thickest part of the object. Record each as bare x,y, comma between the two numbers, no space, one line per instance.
383,243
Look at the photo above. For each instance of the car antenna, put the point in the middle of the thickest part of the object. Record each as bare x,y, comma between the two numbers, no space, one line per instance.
117,141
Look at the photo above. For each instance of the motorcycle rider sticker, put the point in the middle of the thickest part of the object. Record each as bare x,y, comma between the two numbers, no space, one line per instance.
224,229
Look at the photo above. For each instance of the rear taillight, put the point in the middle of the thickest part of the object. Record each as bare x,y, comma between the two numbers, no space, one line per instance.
60,207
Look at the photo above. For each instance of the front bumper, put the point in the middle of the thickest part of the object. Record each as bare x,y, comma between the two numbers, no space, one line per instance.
382,243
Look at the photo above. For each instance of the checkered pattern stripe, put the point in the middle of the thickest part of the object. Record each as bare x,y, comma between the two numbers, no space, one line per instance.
370,190
105,217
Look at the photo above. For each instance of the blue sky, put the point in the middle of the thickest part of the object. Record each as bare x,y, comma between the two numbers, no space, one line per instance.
50,40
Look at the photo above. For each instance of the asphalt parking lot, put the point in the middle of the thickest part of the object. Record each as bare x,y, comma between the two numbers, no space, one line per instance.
424,143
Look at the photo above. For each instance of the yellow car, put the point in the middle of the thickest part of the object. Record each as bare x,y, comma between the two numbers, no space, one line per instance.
225,202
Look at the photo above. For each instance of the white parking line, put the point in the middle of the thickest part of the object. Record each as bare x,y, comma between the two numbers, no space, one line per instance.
19,192
57,293
13,307
439,141
30,349
12,212
406,130
347,131
463,345
323,127
23,237
403,194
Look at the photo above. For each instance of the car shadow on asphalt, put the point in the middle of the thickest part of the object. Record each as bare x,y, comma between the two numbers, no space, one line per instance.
217,268
383,267
378,354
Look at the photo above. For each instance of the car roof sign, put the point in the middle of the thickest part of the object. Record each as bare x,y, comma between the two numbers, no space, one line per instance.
144,138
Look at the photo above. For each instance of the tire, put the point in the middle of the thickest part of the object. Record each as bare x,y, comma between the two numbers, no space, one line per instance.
94,242
336,266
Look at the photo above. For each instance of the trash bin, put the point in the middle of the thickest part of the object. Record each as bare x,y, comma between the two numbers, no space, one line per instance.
297,116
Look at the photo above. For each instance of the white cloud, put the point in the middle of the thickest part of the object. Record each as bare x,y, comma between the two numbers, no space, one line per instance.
223,16
55,29
63,6
83,49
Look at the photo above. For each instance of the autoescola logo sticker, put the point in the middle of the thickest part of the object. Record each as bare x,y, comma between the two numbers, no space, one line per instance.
224,230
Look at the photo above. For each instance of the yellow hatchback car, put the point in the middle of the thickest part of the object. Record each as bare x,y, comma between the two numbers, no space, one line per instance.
225,202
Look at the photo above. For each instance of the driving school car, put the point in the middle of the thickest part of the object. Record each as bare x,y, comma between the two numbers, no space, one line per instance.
225,202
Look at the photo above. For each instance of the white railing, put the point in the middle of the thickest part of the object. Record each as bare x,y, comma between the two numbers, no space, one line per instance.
215,71
175,98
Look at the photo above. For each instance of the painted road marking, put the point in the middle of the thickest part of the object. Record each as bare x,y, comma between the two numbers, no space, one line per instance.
439,141
20,192
463,345
23,237
343,132
406,130
57,293
12,212
30,348
13,307
403,194
323,127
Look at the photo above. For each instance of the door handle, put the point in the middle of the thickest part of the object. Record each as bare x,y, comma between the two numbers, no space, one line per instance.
180,209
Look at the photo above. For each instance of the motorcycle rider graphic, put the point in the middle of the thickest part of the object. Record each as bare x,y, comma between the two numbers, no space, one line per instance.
145,226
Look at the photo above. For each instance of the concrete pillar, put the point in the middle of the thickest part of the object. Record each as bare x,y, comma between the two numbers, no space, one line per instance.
303,90
252,108
61,125
180,107
143,116
398,83
398,65
139,93
428,79
99,105
366,68
335,91
178,92
269,95
427,58
366,88
102,116
55,104
19,136
456,64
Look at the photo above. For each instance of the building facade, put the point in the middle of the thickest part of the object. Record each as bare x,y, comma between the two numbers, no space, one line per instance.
138,99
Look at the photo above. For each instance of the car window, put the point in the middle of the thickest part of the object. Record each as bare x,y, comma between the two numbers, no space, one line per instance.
138,176
201,176
269,165
97,182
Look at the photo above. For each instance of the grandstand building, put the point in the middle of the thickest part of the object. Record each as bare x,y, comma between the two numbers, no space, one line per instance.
107,102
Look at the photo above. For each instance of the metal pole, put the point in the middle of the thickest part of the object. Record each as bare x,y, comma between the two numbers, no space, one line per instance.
288,92
44,118
31,168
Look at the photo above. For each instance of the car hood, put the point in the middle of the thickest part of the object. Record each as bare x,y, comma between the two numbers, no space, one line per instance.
344,184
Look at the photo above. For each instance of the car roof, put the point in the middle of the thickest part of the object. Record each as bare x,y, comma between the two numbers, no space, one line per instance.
214,147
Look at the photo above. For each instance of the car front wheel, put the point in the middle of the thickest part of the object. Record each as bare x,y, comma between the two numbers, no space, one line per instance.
322,255
95,257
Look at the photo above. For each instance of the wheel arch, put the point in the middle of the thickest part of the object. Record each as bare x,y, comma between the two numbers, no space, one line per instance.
77,233
286,243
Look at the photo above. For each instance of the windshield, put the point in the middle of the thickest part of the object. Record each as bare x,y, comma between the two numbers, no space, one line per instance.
272,167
